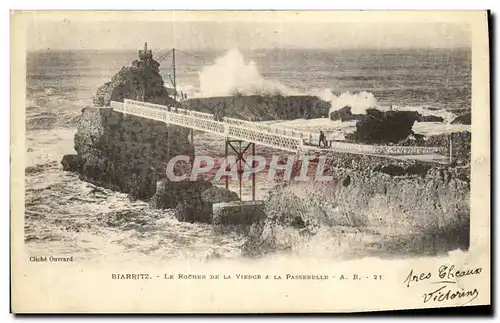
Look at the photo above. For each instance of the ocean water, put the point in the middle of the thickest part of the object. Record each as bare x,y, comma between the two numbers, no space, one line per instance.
65,215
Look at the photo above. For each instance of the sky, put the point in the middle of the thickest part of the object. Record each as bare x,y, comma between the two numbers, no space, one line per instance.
109,34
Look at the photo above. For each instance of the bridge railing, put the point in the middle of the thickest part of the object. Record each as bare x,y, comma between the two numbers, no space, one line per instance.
307,137
192,113
160,113
274,140
197,123
117,106
271,136
188,120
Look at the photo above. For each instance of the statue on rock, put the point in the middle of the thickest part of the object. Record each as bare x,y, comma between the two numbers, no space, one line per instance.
141,82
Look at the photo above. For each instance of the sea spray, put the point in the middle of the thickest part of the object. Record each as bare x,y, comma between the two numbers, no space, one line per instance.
359,102
230,74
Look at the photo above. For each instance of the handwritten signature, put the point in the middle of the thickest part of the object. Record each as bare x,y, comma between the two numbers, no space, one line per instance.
447,277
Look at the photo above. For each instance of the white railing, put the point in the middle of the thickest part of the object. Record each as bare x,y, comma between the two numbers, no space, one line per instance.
197,123
201,122
306,136
278,141
267,135
192,113
117,106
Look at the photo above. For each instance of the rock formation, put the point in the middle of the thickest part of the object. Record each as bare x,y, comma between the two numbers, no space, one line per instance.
218,195
71,163
410,206
262,108
384,127
194,210
123,152
430,118
463,119
141,81
169,194
345,114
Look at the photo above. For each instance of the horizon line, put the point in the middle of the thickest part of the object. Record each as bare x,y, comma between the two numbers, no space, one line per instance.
250,49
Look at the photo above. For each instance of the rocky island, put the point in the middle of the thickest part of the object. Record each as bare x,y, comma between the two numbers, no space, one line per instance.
408,203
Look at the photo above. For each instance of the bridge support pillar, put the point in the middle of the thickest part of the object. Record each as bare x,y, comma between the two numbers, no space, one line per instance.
240,151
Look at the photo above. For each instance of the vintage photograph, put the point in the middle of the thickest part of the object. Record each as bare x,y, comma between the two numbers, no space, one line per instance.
217,138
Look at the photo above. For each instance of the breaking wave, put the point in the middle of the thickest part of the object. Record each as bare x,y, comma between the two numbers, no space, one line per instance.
360,102
232,75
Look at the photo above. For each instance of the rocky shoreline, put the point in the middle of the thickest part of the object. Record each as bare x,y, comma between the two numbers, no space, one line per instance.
397,199
394,199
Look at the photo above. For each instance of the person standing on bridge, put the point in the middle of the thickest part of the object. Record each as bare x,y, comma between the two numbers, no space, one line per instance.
322,139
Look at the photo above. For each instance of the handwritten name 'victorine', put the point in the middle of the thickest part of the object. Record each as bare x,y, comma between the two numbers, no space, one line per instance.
447,276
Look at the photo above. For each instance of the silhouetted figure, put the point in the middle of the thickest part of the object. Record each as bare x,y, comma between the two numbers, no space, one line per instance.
322,139
220,111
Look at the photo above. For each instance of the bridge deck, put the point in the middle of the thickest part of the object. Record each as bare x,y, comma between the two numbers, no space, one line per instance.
269,135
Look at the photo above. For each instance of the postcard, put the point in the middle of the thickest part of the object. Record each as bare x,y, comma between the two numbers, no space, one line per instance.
249,161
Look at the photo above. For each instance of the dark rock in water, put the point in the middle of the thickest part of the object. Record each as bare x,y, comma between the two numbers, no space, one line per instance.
431,118
262,107
194,210
385,127
71,163
141,81
344,114
124,152
238,212
169,194
463,119
218,195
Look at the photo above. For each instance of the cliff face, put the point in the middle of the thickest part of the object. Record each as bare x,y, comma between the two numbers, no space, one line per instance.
124,152
417,203
463,119
141,81
262,108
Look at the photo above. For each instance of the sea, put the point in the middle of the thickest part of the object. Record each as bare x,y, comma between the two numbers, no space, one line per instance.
64,215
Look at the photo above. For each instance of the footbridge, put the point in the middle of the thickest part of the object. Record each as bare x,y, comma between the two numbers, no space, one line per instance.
266,135
241,135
